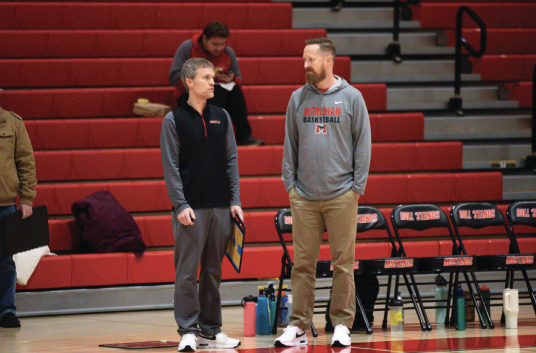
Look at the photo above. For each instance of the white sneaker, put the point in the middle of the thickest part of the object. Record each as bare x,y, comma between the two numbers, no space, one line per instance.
188,343
341,337
221,340
292,336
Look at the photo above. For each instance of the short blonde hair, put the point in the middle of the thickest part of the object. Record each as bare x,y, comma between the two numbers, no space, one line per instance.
189,69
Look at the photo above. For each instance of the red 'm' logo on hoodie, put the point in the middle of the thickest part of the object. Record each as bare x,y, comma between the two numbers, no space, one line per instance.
321,129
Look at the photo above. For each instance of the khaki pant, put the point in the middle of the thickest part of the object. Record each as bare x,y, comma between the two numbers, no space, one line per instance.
309,219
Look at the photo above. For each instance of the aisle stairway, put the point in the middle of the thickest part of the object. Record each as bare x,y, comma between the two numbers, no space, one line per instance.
75,82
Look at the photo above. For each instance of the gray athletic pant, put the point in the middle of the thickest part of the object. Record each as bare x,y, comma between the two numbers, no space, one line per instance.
204,242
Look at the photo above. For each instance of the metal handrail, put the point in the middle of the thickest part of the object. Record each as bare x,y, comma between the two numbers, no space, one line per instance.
393,49
456,103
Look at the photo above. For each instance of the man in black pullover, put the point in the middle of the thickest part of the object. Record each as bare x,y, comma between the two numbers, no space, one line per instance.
200,163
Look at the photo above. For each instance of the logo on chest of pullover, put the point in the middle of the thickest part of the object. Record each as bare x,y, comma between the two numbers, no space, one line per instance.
322,115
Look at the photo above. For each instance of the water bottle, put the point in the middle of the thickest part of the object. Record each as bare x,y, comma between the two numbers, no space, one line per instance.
283,318
249,315
441,295
486,299
273,305
399,297
289,308
395,314
263,315
460,309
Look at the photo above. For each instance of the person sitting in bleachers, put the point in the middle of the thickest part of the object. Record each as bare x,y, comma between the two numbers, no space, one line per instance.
212,45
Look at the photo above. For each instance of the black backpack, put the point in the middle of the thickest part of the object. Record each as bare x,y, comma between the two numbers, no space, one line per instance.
368,287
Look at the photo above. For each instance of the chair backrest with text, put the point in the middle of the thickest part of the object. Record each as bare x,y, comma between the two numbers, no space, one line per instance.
476,215
522,213
419,217
370,218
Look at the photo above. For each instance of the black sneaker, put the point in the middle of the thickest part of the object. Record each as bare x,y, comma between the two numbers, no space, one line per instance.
9,320
250,141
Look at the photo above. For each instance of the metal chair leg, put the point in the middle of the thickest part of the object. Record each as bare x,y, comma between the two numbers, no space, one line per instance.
362,310
506,286
486,311
449,296
387,297
531,291
470,288
423,319
454,316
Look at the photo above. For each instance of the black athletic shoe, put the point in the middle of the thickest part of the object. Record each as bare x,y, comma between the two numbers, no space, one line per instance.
9,320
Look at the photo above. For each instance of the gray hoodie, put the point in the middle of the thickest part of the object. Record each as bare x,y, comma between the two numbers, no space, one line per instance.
327,142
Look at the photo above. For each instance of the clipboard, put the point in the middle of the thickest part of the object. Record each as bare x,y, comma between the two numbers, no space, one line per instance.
18,235
235,247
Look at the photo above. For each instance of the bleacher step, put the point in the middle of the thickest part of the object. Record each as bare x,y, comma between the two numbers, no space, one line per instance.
329,2
387,71
475,127
422,43
519,187
347,18
436,98
495,155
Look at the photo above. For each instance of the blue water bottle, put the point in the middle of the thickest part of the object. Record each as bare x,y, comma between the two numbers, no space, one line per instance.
263,315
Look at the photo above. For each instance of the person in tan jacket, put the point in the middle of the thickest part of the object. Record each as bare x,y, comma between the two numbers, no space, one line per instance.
17,176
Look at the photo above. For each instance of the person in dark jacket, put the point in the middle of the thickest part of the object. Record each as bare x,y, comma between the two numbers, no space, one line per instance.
200,162
212,45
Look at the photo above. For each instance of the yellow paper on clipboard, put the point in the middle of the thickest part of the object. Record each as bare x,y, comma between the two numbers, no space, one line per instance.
235,247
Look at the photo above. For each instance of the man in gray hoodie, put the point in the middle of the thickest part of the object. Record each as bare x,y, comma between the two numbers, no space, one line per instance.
325,167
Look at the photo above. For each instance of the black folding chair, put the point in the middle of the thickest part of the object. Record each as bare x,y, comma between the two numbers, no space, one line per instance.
283,225
426,216
520,213
479,215
370,218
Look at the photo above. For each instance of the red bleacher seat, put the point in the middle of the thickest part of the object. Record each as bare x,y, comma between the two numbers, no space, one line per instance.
415,248
156,230
143,72
521,92
108,102
144,43
52,272
505,67
147,196
34,15
99,269
94,133
145,132
499,41
495,15
146,163
152,267
82,270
